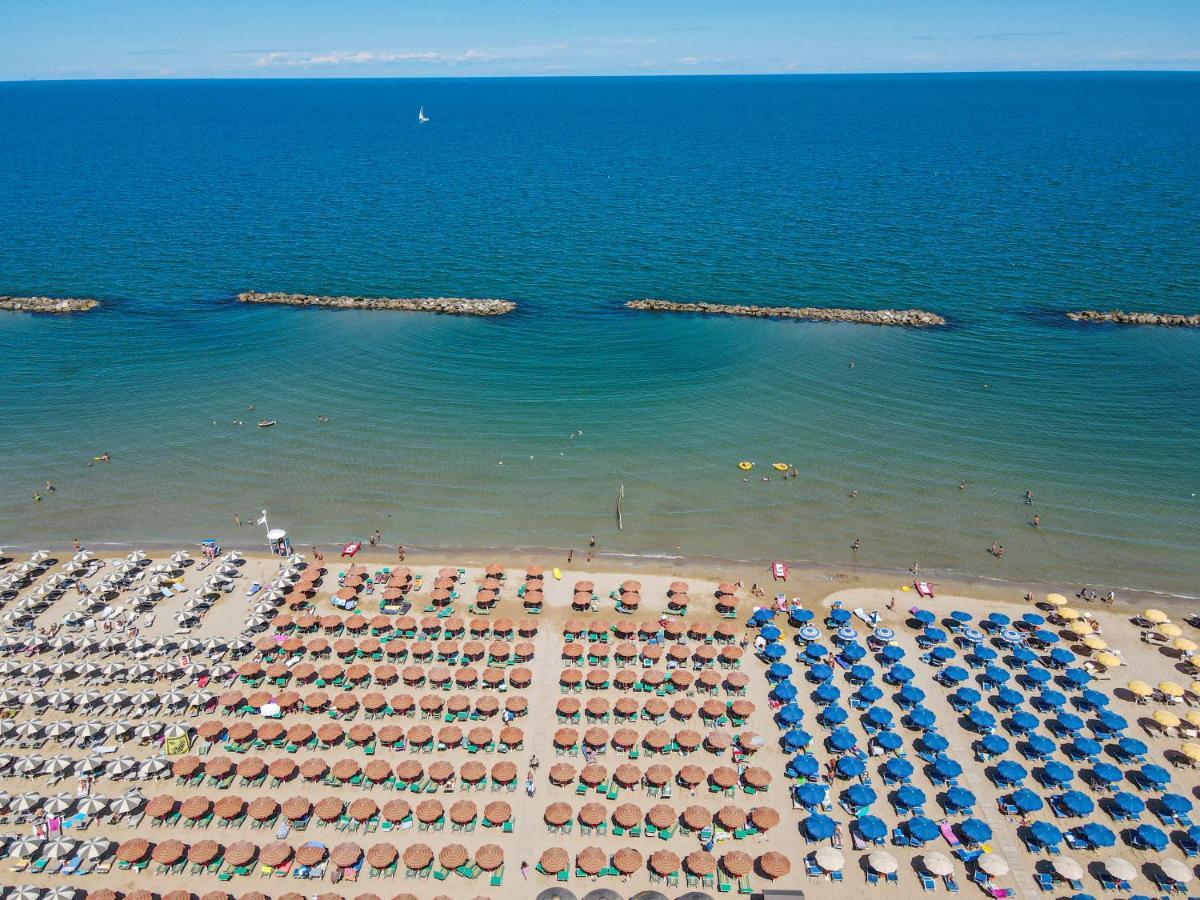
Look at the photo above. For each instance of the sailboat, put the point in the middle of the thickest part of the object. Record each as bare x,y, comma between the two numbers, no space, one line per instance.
421,117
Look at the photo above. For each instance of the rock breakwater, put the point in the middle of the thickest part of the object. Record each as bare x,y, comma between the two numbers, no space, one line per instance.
456,306
908,318
1120,317
48,304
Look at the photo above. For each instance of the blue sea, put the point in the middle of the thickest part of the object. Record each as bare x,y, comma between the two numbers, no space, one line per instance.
999,201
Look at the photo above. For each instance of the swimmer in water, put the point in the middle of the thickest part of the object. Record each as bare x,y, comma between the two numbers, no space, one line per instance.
50,487
962,485
1037,521
857,543
853,494
1029,496
37,498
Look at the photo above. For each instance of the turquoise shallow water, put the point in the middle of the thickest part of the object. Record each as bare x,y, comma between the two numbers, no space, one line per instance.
999,201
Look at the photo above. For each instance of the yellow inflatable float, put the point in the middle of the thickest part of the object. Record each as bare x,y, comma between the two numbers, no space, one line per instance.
779,467
745,466
557,574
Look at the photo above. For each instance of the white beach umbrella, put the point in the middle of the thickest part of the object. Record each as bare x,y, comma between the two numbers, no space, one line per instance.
112,669
29,729
7,761
992,864
39,556
883,862
140,671
62,669
94,848
57,765
147,731
174,699
154,767
60,728
10,667
116,697
121,766
58,804
175,730
35,697
138,646
58,847
24,845
164,645
61,892
90,729
91,765
201,698
1177,870
128,803
26,802
167,669
222,670
91,806
60,698
29,765
830,859
194,670
83,556
1121,869
33,669
136,556
111,643
87,699
1067,868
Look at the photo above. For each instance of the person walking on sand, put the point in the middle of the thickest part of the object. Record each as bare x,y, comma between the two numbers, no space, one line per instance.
400,552
570,555
524,869
76,545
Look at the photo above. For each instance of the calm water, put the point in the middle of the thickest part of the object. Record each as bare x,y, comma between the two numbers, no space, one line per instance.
998,201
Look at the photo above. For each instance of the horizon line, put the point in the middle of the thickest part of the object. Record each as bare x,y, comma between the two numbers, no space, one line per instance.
564,75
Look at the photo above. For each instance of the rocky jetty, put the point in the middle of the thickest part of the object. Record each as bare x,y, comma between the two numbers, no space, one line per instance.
1120,317
47,304
908,318
455,306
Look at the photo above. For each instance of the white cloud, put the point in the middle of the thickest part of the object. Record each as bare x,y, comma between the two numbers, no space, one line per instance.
326,59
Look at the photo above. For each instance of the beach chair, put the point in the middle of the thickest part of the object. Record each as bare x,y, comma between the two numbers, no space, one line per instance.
927,882
1044,880
950,883
872,878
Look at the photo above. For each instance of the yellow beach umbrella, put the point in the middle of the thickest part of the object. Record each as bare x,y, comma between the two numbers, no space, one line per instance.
1081,626
1108,660
1166,719
1169,629
1170,688
1056,599
1184,645
1194,687
1192,717
1095,642
1191,750
1140,689
1155,616
1068,613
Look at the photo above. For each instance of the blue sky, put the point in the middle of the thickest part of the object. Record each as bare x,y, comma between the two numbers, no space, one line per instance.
273,38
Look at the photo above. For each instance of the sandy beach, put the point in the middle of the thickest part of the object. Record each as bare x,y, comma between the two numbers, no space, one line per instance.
546,655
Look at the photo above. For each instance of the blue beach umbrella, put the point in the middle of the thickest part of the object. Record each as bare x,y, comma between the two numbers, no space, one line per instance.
820,672
953,674
1007,698
995,675
1039,745
972,635
933,742
934,635
1097,835
1050,700
779,672
898,769
1129,748
871,828
909,695
960,798
826,693
1152,837
1045,834
921,717
1108,722
850,767
819,827
981,720
1011,636
889,740
810,794
1022,722
1033,619
790,714
1086,747
921,829
974,831
839,616
1068,722
1037,675
853,652
869,693
891,654
841,739
907,797
984,654
1060,656
762,615
774,651
833,715
1092,699
1023,656
959,616
846,634
1076,677
941,654
1175,804
816,651
899,674
798,616
804,766
770,633
1077,803
859,795
994,744
884,635
879,717
925,617
810,633
1106,773
1127,803
946,767
1055,773
1042,636
1155,775
784,692
998,618
967,696
796,738
1026,800
860,674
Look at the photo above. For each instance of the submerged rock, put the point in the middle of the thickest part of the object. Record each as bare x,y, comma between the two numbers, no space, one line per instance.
908,318
1120,317
457,306
48,304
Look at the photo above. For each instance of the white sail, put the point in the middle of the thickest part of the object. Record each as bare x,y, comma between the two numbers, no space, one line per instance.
421,117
